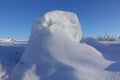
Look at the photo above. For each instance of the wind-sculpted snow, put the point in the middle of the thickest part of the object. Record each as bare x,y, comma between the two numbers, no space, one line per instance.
54,52
59,19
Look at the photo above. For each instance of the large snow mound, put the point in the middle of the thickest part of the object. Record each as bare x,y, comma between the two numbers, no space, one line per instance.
54,52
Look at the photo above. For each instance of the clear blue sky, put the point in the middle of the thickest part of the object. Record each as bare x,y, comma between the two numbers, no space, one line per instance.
96,16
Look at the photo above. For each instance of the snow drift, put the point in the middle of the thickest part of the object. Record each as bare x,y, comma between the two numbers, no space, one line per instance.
54,52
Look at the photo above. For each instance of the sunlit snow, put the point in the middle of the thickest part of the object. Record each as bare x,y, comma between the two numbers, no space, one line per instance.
56,51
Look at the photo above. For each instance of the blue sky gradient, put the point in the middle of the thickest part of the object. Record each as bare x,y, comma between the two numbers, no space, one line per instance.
96,16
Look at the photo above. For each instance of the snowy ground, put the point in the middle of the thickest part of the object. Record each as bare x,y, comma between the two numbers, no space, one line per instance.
56,51
10,55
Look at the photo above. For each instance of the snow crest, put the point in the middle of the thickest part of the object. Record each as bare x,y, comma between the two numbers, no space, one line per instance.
68,21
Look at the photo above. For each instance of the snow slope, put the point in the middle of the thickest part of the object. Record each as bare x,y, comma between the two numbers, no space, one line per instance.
11,51
110,51
9,56
54,52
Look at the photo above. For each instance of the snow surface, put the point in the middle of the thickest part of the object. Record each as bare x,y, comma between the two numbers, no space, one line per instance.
55,51
11,42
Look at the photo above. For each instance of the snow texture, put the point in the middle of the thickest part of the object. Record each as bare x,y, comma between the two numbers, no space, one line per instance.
59,19
54,52
30,74
3,74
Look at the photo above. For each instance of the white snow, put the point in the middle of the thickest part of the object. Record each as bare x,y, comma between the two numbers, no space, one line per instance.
68,21
54,52
6,41
30,74
11,42
3,74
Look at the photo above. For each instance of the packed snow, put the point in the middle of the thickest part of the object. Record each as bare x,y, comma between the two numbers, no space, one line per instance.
56,51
